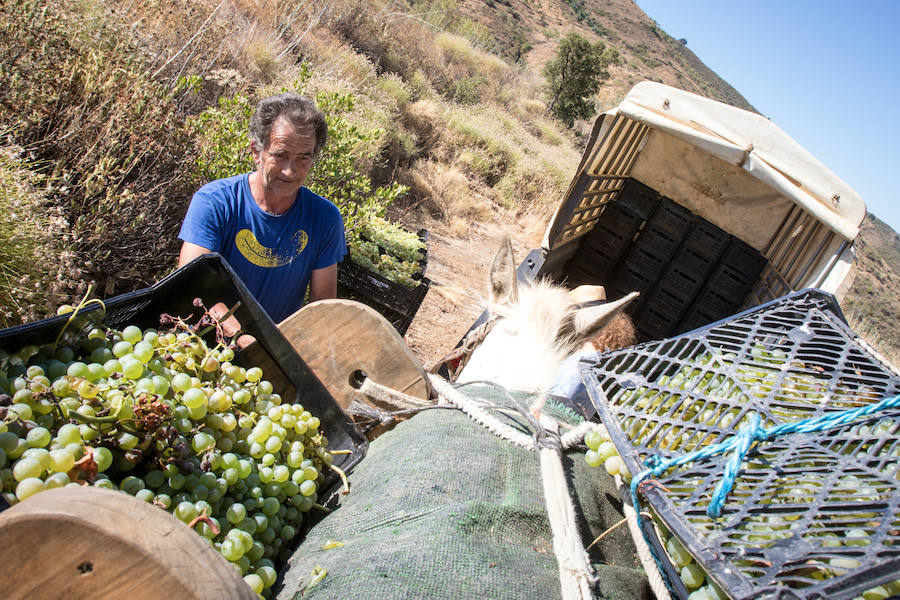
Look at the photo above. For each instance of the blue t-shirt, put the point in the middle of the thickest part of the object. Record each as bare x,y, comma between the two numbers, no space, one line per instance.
274,255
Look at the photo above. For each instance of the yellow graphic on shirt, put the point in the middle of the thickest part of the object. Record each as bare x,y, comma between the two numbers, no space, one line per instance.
261,256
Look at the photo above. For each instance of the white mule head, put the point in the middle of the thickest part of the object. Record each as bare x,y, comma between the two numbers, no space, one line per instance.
538,325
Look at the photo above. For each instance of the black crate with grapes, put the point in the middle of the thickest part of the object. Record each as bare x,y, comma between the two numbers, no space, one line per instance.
386,270
767,446
144,394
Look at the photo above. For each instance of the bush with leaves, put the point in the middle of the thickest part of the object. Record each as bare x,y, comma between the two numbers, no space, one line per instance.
575,75
79,97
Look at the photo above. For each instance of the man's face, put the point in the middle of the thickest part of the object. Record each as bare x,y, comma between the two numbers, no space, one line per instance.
285,163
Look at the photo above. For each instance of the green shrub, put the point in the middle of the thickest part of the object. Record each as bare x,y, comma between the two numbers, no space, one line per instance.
79,95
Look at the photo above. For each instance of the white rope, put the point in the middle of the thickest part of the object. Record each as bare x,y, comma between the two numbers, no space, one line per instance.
654,577
391,397
576,435
576,576
479,414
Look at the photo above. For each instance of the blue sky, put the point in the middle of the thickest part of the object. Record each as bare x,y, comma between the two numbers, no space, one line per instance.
826,72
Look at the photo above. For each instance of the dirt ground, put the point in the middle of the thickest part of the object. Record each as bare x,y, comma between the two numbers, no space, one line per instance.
457,268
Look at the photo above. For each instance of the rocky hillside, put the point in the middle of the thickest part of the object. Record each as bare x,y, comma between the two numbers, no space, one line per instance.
872,305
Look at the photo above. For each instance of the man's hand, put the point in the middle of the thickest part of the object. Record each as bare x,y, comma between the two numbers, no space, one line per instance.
189,252
323,283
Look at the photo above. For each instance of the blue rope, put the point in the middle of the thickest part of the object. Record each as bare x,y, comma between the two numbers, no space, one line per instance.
740,443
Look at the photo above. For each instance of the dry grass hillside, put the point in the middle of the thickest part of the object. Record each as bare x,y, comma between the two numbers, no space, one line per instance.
105,129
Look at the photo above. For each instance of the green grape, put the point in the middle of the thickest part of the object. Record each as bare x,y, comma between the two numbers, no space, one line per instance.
29,487
27,468
231,549
61,461
144,495
236,513
132,334
132,368
614,465
593,458
593,439
677,552
56,480
607,449
103,458
693,576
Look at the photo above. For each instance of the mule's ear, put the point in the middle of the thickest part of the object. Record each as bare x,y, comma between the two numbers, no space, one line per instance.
592,319
502,277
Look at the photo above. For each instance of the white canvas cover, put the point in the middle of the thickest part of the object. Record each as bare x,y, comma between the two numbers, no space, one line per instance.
755,144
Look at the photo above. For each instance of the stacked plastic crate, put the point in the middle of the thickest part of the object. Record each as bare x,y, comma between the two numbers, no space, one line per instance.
813,510
395,301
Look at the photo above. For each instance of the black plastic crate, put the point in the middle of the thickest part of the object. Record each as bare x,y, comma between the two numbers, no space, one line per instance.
646,260
593,265
709,306
729,283
397,302
627,280
812,515
744,259
708,239
701,249
672,218
638,198
211,279
615,228
661,242
681,283
659,315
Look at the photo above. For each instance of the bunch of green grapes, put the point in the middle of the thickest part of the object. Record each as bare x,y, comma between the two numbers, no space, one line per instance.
389,250
404,245
165,418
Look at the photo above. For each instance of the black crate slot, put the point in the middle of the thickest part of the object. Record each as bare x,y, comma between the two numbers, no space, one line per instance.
672,218
681,283
811,515
744,259
730,283
638,198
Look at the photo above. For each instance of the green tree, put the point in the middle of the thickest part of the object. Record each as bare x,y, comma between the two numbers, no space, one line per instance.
575,75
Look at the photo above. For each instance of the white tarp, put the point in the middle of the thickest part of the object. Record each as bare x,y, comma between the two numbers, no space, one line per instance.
755,144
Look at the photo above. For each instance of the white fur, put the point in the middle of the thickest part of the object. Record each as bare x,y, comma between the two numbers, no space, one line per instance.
523,350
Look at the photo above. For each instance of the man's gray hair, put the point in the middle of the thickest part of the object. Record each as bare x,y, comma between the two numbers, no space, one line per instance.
299,110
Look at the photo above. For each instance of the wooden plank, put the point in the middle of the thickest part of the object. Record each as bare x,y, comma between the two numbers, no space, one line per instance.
337,338
86,542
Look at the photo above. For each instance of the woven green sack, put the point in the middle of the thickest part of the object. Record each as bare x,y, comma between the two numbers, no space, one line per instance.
442,508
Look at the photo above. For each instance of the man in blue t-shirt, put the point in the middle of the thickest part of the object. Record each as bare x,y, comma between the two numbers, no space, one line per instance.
279,237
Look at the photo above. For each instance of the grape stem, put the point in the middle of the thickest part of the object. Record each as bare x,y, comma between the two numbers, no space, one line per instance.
343,476
613,527
81,305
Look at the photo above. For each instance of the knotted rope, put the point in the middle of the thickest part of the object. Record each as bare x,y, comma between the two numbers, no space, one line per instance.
740,444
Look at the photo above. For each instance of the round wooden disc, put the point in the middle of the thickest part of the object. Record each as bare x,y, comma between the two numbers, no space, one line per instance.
86,542
337,338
